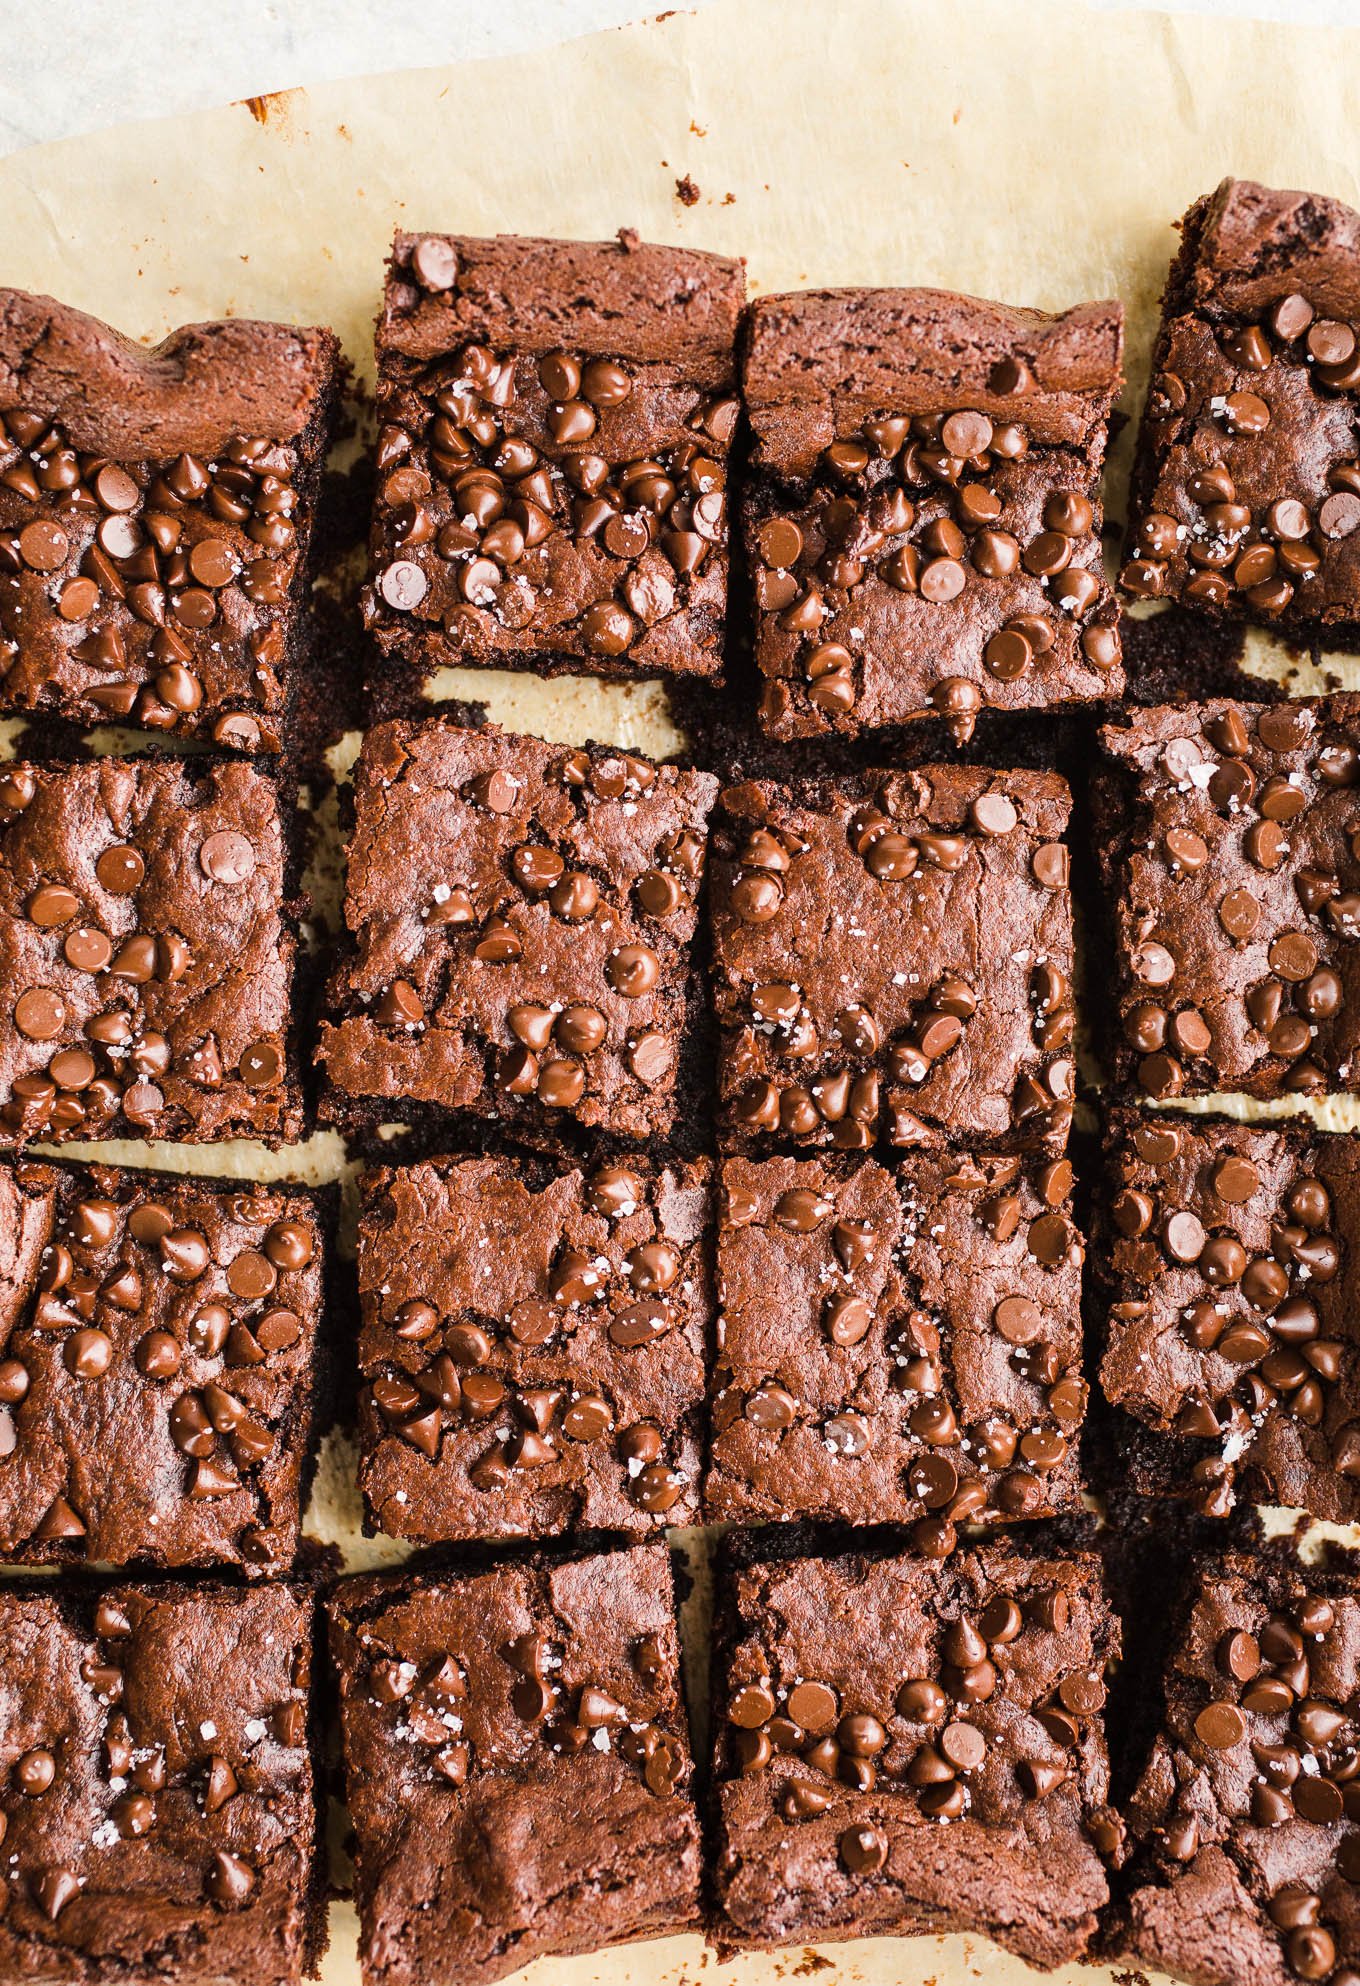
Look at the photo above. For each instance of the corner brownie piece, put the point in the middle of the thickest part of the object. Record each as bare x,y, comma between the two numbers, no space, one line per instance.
159,1802
1231,1305
892,959
145,960
909,1745
923,520
517,1764
897,1345
157,1368
1246,487
155,516
532,1347
521,917
1248,1862
555,419
1230,840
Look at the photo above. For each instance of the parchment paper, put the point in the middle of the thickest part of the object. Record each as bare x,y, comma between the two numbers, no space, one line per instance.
1029,152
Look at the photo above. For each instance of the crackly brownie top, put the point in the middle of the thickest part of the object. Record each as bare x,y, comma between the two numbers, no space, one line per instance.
1247,490
1235,868
533,1350
1246,1812
522,916
555,422
893,958
517,1762
906,1743
156,1346
144,962
1230,1299
926,534
157,1784
897,1344
150,533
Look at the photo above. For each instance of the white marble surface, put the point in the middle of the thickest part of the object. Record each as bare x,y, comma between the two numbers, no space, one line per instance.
68,66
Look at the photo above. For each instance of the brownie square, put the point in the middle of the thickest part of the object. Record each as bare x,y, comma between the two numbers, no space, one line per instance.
1228,837
1245,1868
521,917
555,419
145,956
517,1764
1231,1309
158,1366
892,959
158,1793
895,1346
923,516
908,1745
532,1347
1246,487
156,513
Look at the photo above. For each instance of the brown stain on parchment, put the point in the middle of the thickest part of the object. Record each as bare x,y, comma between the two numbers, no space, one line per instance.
274,108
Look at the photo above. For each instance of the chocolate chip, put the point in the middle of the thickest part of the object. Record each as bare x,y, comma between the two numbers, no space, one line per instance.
403,585
963,1745
862,1849
120,869
1235,1180
1219,1726
40,1014
261,1065
34,1772
994,813
230,1879
1018,1320
52,905
227,857
43,546
780,542
435,262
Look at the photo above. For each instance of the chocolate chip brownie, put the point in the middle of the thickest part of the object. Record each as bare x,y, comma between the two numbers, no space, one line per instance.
555,420
899,1344
1230,1299
1247,1871
923,518
158,1799
908,1745
158,1366
146,953
533,1347
517,1763
521,917
1230,840
1246,489
156,512
892,958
